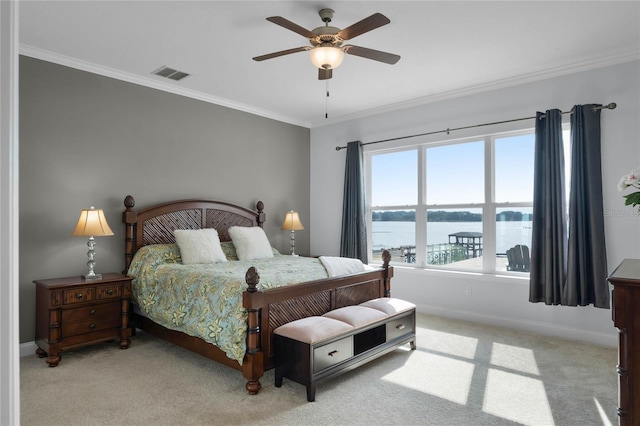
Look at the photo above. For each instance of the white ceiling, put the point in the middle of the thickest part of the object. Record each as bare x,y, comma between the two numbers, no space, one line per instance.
448,48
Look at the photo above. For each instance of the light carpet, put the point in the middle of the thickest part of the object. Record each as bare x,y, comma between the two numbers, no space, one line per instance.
462,373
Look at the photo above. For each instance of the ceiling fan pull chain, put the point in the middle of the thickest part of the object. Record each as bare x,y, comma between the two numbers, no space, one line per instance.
326,101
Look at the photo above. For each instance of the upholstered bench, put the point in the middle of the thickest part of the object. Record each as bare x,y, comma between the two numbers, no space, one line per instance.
316,348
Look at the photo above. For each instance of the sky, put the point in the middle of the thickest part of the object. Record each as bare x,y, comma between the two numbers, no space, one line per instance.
455,173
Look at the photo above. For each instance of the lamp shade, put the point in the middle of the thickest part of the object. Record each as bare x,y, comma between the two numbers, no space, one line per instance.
92,223
326,57
292,222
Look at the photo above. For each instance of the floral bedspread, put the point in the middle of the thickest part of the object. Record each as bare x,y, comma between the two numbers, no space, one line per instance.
206,300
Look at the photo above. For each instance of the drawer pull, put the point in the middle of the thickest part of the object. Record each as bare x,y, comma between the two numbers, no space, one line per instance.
78,295
110,292
332,353
622,372
92,326
400,326
92,312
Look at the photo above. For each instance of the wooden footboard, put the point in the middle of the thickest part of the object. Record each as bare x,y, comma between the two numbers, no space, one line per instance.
269,309
266,309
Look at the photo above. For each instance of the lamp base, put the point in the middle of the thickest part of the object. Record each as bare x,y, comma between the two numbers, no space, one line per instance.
91,277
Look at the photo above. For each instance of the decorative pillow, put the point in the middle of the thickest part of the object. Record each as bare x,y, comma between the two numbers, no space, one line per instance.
199,246
250,242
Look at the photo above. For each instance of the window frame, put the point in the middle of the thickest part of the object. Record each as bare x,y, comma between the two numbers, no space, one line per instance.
488,207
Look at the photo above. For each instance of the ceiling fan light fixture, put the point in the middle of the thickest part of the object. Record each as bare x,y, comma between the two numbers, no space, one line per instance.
326,57
327,52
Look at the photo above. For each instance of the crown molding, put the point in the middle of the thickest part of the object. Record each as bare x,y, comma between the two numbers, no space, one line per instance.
150,82
499,83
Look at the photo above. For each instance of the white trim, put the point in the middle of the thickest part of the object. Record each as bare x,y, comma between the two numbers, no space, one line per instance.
609,340
153,82
28,349
9,242
497,83
489,208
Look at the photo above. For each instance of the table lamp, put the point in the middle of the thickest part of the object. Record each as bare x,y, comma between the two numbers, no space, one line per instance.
92,223
292,223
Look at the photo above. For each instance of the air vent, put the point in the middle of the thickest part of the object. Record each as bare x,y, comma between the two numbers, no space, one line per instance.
170,73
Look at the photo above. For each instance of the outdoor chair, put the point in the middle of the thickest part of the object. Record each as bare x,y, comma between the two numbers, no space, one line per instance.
518,259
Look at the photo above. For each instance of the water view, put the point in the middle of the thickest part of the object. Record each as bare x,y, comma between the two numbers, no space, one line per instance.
401,237
399,234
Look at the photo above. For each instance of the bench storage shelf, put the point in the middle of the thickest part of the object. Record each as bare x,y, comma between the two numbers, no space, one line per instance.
313,349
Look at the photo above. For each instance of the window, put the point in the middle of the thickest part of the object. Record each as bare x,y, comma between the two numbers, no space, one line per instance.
460,205
394,229
454,190
455,173
394,182
454,237
513,159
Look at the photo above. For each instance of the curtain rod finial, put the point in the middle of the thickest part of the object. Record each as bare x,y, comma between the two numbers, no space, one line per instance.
338,148
610,105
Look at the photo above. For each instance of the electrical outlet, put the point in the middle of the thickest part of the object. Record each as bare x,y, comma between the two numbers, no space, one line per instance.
467,291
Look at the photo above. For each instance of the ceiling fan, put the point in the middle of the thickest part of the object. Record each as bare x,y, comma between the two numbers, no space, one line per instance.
326,48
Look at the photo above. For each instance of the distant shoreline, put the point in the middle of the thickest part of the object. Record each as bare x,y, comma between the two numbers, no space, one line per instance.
447,216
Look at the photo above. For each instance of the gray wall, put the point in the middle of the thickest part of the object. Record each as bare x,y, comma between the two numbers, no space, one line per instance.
87,140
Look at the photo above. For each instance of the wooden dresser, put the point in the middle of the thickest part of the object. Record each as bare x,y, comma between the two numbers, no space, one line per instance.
626,318
73,312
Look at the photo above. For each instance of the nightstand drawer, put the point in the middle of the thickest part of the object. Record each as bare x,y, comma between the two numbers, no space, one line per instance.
332,353
84,327
108,291
78,295
103,322
94,312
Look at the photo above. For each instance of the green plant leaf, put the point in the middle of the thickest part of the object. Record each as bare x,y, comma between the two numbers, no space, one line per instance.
632,199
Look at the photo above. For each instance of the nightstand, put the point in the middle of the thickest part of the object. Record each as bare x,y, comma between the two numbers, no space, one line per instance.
72,312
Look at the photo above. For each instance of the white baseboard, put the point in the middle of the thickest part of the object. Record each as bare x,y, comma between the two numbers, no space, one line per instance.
610,340
28,348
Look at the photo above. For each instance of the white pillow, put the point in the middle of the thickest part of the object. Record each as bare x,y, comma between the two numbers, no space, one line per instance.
250,242
199,246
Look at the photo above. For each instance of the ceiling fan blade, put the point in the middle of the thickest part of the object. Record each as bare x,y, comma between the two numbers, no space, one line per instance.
283,22
281,53
367,24
324,73
376,55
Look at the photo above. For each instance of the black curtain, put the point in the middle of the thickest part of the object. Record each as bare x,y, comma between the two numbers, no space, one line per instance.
549,233
568,267
586,259
353,241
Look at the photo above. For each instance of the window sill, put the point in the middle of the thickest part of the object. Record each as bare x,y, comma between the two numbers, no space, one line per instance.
480,276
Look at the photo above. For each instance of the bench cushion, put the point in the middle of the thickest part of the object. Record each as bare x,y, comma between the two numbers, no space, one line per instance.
389,305
313,329
357,316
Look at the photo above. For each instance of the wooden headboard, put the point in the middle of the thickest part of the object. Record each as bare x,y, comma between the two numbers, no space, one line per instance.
155,224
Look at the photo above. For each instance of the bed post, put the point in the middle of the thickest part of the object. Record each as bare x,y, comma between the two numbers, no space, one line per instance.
388,272
253,365
129,217
261,216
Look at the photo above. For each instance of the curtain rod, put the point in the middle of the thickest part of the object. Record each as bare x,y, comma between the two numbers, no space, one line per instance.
611,105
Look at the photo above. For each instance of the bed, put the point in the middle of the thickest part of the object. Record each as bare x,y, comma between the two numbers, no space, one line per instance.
262,309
